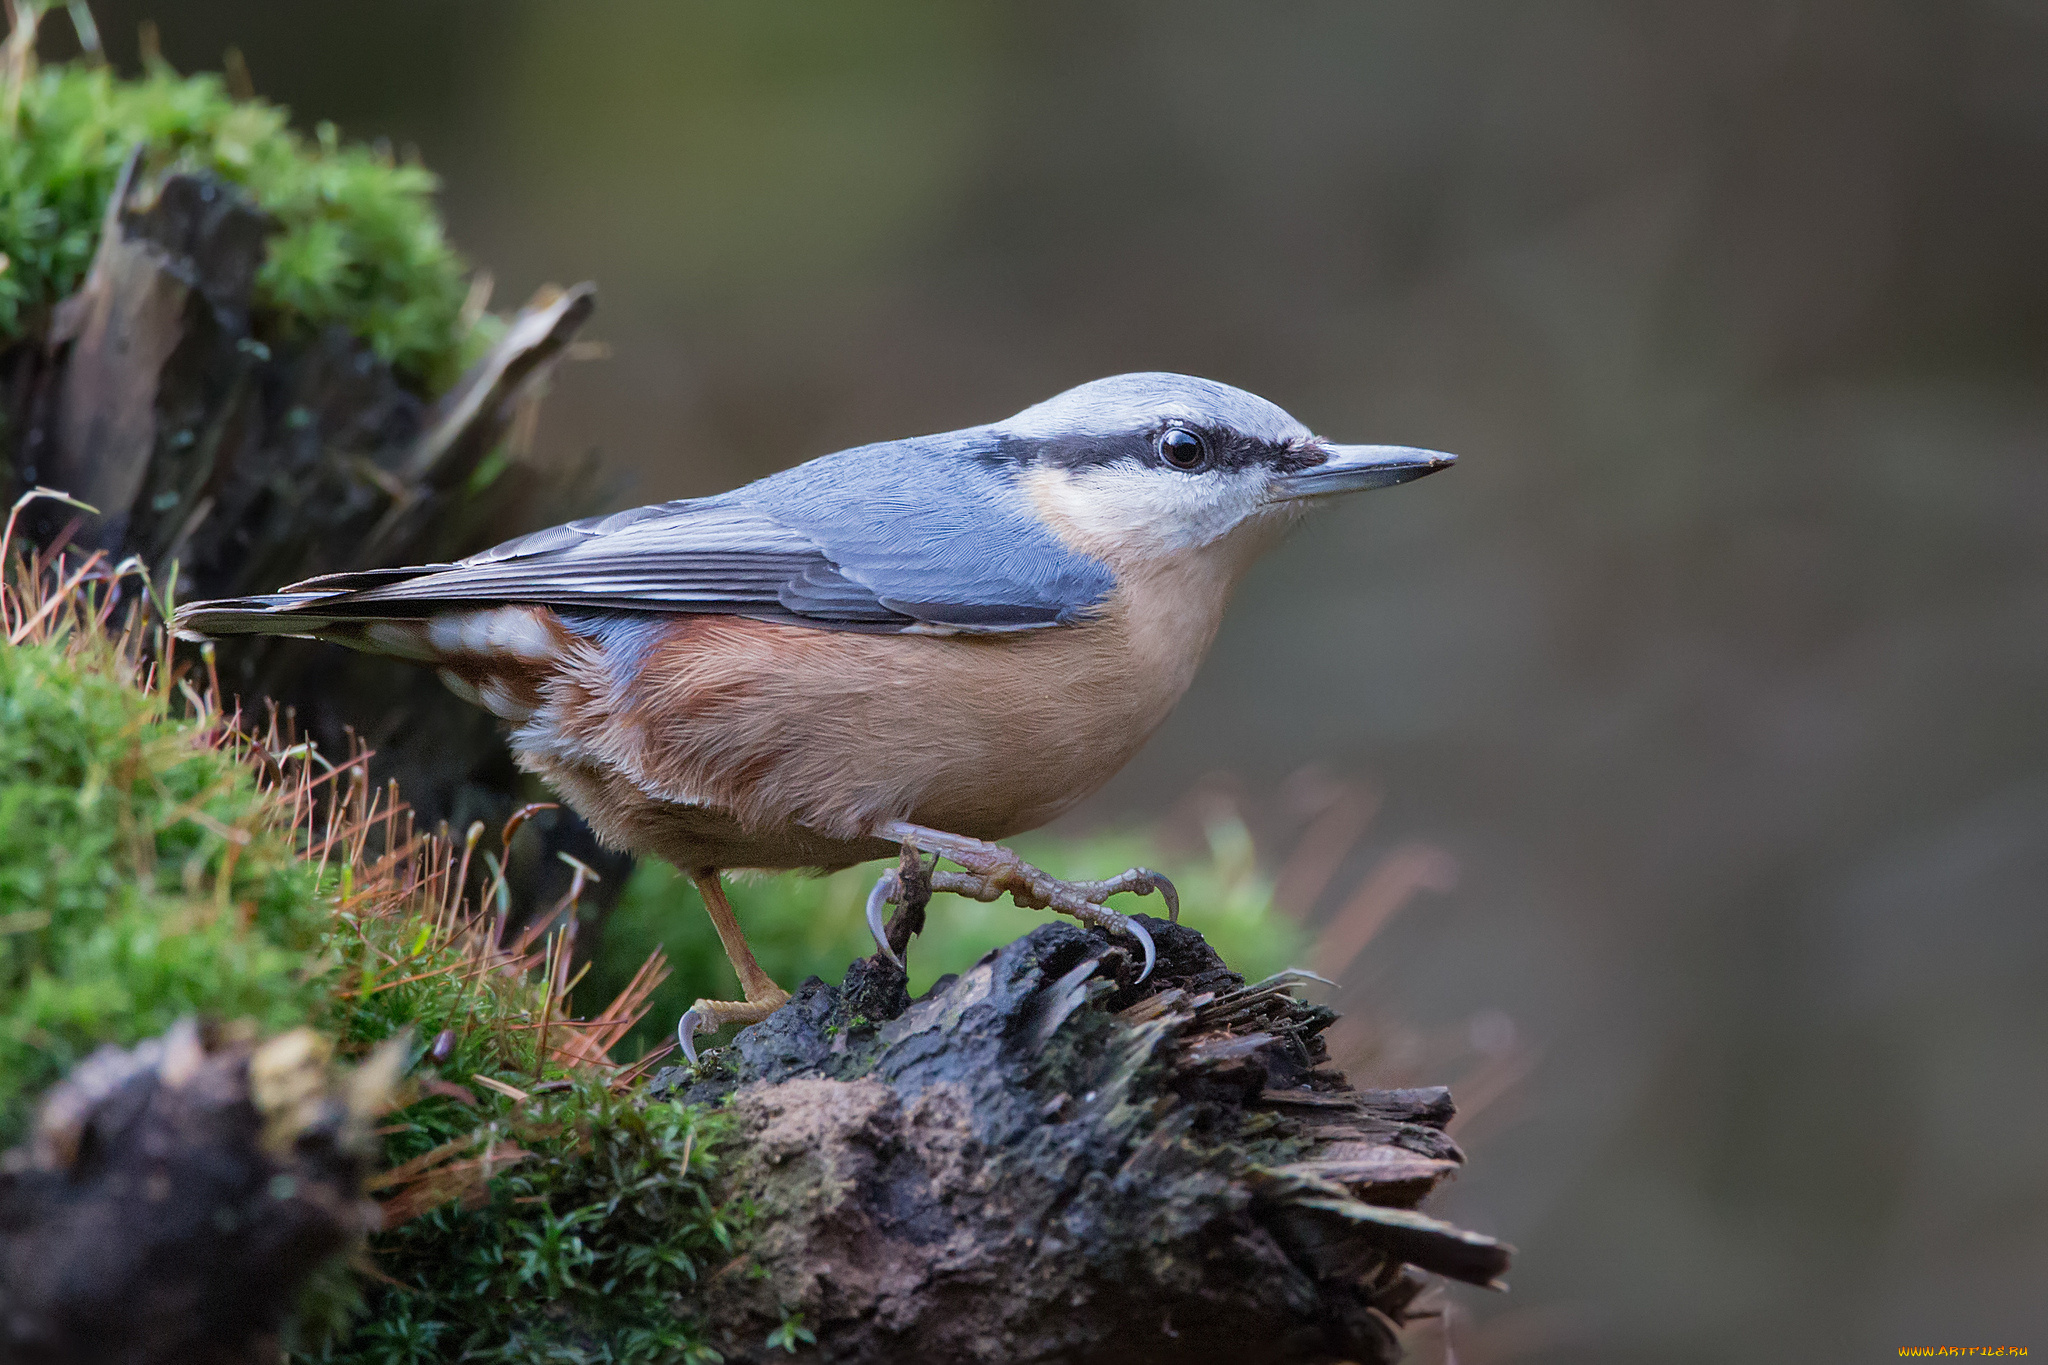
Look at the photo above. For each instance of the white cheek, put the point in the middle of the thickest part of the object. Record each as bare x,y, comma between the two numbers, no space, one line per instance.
1133,510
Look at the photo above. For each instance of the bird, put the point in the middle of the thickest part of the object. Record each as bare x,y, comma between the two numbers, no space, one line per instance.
915,647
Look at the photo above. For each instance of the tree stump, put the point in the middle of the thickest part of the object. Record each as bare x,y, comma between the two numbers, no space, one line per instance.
221,440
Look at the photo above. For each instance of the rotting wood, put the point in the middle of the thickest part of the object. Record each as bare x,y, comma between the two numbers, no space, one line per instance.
1042,1161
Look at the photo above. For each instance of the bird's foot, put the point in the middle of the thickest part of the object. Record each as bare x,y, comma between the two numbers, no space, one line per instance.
994,871
764,997
709,1016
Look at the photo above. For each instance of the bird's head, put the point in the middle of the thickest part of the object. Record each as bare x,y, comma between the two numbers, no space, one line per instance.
1149,468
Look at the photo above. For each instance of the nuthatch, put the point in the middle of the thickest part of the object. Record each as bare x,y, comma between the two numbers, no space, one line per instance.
930,643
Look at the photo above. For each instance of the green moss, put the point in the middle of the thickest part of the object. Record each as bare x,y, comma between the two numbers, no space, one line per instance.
357,240
140,878
585,1253
145,875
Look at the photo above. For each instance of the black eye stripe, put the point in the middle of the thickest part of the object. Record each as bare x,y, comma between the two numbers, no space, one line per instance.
1227,450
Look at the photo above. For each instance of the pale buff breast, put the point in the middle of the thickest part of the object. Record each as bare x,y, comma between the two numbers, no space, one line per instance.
739,742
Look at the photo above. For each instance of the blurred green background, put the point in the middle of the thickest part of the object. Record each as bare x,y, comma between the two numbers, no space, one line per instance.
1719,667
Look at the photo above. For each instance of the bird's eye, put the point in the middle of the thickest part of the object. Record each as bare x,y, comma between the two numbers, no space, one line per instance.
1181,448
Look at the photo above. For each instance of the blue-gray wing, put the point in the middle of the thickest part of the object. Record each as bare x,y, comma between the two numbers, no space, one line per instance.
937,530
904,536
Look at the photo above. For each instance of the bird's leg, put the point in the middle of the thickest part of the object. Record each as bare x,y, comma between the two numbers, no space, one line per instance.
764,997
994,871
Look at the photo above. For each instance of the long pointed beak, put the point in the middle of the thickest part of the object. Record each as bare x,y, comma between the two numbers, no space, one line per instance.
1351,468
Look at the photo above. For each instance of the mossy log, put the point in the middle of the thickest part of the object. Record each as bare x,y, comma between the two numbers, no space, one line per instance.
1041,1160
1038,1160
222,440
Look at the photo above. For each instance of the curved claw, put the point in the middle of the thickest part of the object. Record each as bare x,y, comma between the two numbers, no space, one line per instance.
686,1033
1144,937
1167,892
886,887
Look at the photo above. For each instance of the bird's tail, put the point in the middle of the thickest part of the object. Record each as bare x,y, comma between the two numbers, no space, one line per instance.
495,655
277,613
297,609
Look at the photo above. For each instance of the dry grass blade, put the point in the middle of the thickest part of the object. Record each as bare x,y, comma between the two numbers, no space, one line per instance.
592,1046
467,1180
